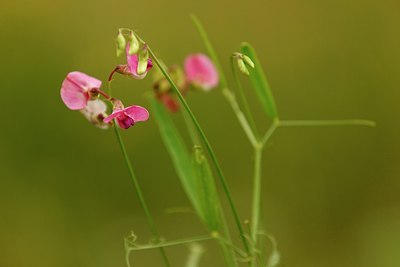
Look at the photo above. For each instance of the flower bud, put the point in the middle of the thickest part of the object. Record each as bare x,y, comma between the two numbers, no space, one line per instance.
242,66
248,61
121,43
134,44
143,61
201,72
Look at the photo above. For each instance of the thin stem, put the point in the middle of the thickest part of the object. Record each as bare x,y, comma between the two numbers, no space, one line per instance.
230,97
134,247
240,252
242,95
256,206
327,123
195,254
228,256
104,95
210,50
275,124
207,145
139,193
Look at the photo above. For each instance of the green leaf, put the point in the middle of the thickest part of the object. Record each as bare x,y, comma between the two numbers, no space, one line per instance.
193,170
206,190
260,83
178,152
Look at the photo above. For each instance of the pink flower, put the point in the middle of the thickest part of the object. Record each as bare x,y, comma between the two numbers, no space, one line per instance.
76,89
132,61
201,72
127,117
131,68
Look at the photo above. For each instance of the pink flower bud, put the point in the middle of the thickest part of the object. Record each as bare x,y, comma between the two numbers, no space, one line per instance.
133,62
127,117
201,72
77,88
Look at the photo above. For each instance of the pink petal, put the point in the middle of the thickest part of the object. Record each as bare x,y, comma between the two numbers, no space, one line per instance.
132,61
124,121
137,113
73,96
83,80
114,115
201,71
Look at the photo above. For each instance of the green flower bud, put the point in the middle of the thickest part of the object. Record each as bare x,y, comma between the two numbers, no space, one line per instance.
133,44
248,61
121,44
242,66
143,60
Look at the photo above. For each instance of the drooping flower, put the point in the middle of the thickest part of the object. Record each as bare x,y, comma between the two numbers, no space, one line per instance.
95,112
201,71
127,117
77,89
131,68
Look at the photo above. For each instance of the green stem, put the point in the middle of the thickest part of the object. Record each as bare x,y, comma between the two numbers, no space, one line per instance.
228,255
139,193
230,97
134,247
256,207
210,50
224,84
242,95
207,145
195,254
327,123
275,124
238,251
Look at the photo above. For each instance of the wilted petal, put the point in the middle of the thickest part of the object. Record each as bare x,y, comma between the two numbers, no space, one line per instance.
96,106
201,72
95,111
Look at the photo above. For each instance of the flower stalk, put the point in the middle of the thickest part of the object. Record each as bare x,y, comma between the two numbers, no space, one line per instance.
143,204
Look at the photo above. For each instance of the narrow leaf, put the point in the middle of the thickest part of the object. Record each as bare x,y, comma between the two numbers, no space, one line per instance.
260,83
176,148
206,190
193,170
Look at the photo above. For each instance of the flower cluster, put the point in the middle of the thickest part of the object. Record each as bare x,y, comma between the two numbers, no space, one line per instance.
80,91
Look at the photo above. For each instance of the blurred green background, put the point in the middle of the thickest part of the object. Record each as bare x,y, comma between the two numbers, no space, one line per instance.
331,195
